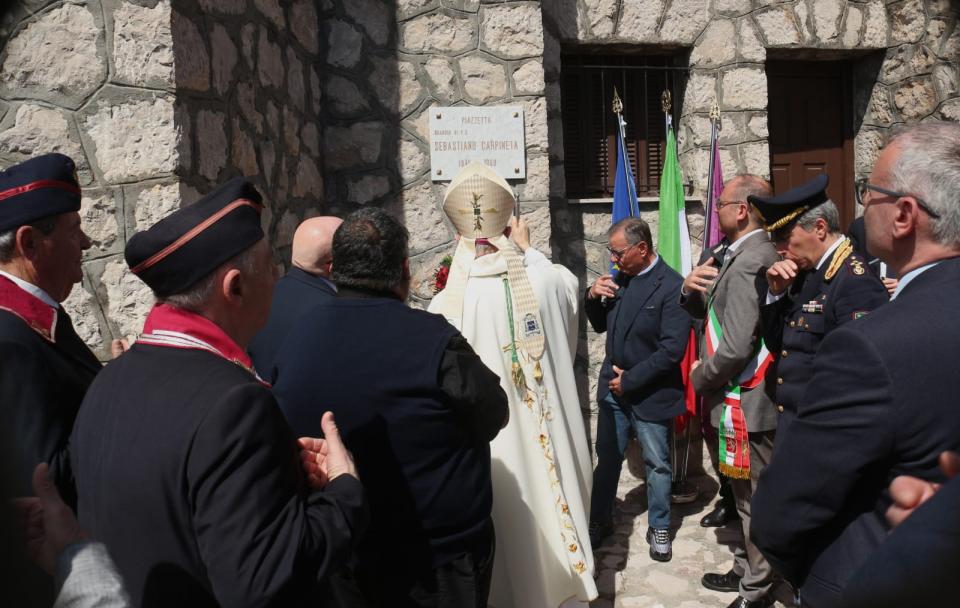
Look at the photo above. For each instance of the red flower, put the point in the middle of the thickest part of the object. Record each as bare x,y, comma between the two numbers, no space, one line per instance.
441,274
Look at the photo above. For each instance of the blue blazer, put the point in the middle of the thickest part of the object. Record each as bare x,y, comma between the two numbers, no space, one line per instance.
647,334
917,565
294,295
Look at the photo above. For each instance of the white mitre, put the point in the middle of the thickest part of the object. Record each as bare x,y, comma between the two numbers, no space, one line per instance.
479,203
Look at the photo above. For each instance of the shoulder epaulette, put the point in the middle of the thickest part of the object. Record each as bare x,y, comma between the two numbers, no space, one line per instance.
839,257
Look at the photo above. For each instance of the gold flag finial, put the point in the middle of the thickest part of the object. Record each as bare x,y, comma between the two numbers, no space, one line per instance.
715,115
617,104
665,101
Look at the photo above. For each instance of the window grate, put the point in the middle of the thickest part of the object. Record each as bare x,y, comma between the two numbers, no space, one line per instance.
589,125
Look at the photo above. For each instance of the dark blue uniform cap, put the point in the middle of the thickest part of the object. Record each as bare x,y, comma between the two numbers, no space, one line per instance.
187,245
37,188
778,211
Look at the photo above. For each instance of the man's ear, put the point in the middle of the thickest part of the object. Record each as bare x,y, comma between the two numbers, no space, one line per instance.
822,228
231,285
27,241
907,216
406,269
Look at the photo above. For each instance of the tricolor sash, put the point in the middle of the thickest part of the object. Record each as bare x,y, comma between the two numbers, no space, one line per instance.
734,440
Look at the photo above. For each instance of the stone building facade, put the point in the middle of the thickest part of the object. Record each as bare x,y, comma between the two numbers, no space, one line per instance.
327,104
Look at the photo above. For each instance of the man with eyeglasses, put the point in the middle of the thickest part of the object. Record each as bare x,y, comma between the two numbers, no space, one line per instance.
881,401
640,385
818,286
730,374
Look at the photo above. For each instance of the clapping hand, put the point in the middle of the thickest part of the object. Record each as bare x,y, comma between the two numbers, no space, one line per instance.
908,493
325,459
48,523
781,276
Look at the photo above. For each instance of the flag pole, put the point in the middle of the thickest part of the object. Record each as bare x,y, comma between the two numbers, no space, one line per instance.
715,127
681,490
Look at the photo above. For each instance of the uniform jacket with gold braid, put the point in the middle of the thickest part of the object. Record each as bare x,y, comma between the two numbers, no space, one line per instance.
819,301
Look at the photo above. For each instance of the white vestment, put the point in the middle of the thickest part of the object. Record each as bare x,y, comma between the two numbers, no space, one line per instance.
543,553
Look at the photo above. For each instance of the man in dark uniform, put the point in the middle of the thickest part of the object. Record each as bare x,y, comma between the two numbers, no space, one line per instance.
418,408
881,399
45,368
303,287
184,464
819,285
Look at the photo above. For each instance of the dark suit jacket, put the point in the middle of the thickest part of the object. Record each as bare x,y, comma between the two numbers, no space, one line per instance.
647,333
294,295
188,472
42,382
918,564
881,403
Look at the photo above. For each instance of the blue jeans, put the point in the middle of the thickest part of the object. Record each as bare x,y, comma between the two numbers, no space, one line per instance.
613,428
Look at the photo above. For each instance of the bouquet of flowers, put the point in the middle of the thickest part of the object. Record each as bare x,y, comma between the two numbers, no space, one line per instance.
441,273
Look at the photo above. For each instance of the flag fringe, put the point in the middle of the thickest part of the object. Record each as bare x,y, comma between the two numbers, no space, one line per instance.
734,472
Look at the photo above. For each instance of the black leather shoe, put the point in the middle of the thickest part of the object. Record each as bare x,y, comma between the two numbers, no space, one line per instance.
721,582
742,602
720,516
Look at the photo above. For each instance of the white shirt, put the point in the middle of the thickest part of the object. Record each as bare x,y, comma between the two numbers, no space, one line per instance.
736,244
905,279
32,290
650,267
772,298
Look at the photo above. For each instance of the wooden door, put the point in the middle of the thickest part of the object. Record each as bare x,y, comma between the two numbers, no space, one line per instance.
811,128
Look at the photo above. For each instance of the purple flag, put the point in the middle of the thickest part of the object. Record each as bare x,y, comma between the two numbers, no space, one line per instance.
716,174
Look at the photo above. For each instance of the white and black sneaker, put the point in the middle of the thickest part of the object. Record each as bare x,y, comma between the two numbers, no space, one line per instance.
661,549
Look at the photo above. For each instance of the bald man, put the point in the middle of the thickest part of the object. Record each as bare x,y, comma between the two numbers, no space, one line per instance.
304,286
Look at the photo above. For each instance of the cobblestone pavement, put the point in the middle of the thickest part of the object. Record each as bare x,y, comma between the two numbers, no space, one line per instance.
628,578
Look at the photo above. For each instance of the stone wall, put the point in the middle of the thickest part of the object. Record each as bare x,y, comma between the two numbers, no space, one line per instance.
386,65
157,104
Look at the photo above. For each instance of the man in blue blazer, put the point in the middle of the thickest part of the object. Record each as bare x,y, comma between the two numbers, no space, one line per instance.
303,287
640,384
882,398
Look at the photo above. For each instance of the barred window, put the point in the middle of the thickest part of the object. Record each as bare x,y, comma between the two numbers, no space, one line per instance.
589,125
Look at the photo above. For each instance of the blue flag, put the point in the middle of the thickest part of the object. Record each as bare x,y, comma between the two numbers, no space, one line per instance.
624,188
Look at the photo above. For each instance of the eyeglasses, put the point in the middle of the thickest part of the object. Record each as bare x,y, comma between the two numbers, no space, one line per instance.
622,252
863,186
721,204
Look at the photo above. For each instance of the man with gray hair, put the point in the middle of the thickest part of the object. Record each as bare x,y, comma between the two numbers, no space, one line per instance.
880,402
819,285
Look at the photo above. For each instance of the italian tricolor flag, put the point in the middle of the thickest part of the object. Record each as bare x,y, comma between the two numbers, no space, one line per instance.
673,244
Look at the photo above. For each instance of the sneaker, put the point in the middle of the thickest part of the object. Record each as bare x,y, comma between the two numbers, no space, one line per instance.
599,531
661,549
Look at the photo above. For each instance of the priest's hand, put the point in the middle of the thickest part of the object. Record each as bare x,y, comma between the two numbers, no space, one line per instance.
324,460
781,276
616,382
908,493
520,232
701,277
48,523
603,287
